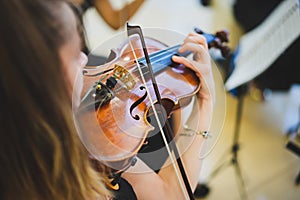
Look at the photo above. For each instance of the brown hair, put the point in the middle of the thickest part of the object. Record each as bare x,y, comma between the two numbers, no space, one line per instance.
40,154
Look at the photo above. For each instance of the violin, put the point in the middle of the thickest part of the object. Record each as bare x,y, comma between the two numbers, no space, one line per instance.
130,98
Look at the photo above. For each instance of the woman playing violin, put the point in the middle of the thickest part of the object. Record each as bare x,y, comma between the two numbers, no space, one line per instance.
165,184
41,156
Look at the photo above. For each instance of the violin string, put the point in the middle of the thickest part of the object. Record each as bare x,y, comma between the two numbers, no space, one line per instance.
135,69
163,54
159,124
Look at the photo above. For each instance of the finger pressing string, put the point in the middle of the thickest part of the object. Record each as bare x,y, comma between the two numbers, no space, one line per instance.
196,38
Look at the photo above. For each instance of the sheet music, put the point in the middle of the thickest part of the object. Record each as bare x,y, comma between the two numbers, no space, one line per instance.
259,48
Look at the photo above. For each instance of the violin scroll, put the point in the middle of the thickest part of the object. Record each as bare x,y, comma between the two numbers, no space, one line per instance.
217,41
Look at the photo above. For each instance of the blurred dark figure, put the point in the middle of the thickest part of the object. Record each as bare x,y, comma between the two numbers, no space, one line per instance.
285,71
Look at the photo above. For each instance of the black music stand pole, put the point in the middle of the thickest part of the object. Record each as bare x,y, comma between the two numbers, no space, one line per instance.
233,161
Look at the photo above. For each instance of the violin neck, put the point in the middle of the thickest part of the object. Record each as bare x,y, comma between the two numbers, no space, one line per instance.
209,37
163,58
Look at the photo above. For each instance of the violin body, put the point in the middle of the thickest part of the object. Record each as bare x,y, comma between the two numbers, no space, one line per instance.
123,108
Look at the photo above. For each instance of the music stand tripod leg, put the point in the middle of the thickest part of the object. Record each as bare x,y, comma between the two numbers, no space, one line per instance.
236,146
240,180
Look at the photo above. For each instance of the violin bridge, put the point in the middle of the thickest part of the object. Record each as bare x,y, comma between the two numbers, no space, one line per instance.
122,74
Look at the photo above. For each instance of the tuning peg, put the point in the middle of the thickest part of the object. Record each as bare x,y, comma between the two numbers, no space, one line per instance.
223,35
217,40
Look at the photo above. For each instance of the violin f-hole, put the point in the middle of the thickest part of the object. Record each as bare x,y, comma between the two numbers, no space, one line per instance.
138,102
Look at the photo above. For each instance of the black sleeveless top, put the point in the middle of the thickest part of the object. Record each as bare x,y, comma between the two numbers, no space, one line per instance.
125,191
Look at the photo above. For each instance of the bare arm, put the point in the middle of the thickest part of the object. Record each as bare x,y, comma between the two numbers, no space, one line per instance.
116,18
165,184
